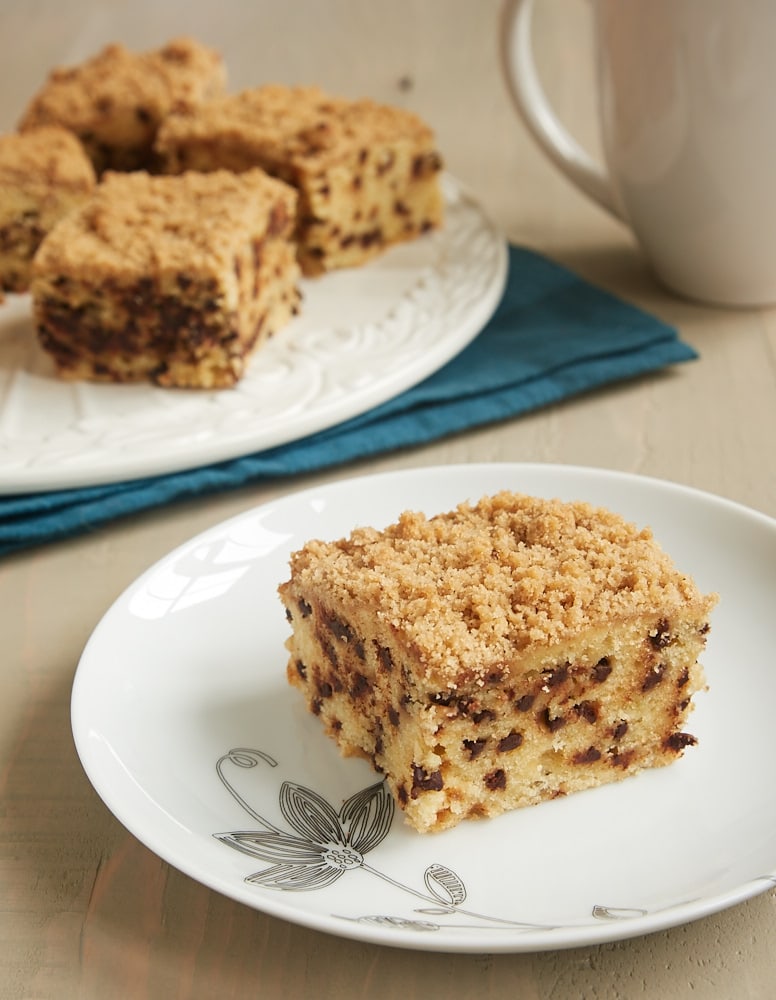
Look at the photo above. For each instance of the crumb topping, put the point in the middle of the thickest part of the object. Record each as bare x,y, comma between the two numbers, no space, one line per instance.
474,585
190,223
117,87
48,157
302,125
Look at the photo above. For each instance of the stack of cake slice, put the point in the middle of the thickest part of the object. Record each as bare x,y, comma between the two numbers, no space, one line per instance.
367,174
179,280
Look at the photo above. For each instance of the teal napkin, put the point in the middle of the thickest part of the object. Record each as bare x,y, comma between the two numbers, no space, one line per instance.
552,336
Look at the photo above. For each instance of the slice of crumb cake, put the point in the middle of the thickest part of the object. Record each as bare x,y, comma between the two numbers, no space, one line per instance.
498,655
116,100
174,279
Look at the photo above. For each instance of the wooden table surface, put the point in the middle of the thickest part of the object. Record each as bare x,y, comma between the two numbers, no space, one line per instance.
85,909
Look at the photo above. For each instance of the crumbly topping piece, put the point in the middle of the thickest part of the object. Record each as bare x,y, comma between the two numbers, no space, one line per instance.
190,223
469,588
45,158
116,86
302,126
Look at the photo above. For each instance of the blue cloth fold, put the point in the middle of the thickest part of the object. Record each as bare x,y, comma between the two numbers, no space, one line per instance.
552,336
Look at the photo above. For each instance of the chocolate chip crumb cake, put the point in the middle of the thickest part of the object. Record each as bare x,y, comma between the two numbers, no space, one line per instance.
115,101
44,174
173,279
367,174
498,655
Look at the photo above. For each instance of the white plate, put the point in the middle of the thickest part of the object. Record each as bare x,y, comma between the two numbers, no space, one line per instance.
188,730
363,336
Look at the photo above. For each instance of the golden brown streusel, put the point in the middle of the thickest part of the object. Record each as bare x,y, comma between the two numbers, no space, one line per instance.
115,100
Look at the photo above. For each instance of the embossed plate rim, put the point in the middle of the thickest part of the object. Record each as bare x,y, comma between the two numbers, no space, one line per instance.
189,732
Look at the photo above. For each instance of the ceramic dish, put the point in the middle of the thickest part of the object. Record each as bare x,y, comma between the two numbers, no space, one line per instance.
188,730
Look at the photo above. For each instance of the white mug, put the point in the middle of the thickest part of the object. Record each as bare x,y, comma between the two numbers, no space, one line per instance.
687,102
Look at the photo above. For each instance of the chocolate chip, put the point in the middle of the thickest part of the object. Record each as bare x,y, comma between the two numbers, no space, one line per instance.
601,670
337,627
661,637
587,710
289,616
474,747
328,651
441,697
550,722
511,742
588,756
620,730
301,669
401,794
678,741
422,781
557,676
496,780
385,658
371,237
622,760
316,706
426,164
485,715
654,677
393,716
683,678
304,608
325,690
360,686
524,703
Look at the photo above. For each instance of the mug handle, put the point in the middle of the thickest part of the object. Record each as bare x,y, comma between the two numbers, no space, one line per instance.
533,107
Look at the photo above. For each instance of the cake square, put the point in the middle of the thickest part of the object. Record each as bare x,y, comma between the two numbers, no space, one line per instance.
115,101
499,655
173,279
367,174
44,175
